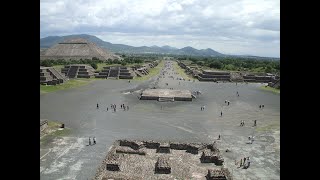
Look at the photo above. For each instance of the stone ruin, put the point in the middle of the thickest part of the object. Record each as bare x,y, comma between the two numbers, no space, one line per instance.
116,72
50,76
209,156
144,69
78,71
208,75
219,174
162,165
134,159
262,78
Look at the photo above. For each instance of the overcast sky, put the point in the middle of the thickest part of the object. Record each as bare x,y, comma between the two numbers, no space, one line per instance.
246,27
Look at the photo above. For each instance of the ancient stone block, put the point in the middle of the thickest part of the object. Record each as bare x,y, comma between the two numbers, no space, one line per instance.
126,150
210,157
162,166
113,163
133,144
164,148
219,174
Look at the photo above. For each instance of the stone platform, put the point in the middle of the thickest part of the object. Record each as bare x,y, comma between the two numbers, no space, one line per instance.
135,159
166,95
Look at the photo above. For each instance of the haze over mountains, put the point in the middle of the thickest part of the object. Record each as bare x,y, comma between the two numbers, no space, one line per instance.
121,48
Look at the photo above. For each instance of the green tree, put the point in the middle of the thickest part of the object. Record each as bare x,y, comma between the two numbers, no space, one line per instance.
123,63
216,65
94,65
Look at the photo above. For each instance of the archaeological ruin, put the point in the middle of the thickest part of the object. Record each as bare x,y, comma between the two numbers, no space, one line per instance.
78,71
168,95
50,76
116,72
139,159
76,49
208,75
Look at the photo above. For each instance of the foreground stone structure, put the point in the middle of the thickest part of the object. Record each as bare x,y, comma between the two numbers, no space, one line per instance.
257,78
208,75
218,174
166,95
78,71
76,49
134,159
50,76
43,124
116,72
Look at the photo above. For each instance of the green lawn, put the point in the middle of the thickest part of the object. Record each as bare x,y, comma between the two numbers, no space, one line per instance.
152,72
67,85
268,88
58,67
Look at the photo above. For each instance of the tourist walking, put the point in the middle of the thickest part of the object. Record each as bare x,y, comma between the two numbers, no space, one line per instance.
240,162
219,137
107,108
255,123
228,103
89,141
97,106
94,140
221,113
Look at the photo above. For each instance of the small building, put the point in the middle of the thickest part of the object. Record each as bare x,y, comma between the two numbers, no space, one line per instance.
257,78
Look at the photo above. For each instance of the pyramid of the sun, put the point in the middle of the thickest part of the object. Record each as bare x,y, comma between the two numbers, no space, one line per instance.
76,49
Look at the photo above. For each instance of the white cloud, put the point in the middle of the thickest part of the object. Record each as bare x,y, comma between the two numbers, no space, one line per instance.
239,21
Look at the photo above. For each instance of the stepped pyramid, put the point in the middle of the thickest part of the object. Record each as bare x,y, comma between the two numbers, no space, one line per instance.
50,76
116,72
76,49
78,71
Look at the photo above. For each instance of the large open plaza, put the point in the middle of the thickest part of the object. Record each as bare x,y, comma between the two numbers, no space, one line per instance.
70,157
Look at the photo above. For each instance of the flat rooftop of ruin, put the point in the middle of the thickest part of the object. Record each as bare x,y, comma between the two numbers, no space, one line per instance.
135,159
165,93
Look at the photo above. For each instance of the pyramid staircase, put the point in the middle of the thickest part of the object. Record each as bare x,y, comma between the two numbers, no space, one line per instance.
78,71
50,76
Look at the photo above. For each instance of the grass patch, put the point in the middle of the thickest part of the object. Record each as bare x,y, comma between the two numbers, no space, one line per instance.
152,72
52,131
271,89
182,72
73,83
270,127
58,67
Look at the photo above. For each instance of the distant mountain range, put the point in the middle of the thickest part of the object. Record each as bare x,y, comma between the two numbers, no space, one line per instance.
121,48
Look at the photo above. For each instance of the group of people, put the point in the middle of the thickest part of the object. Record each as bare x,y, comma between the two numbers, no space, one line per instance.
202,108
94,141
226,101
114,107
261,106
244,163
